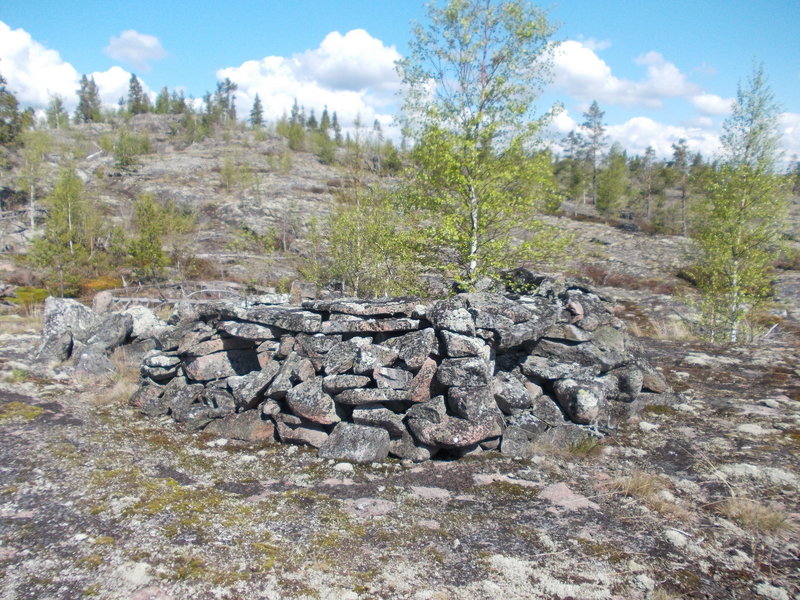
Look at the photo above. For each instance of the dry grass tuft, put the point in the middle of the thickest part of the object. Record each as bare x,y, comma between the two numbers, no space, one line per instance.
25,318
639,484
662,595
753,515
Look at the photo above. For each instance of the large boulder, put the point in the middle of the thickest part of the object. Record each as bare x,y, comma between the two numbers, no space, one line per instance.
356,443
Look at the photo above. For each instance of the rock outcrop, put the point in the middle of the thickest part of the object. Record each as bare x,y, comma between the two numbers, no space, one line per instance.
362,380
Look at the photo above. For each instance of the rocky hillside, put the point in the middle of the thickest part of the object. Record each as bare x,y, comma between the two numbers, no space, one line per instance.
698,497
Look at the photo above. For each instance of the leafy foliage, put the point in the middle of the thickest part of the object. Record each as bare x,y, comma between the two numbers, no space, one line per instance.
472,77
743,214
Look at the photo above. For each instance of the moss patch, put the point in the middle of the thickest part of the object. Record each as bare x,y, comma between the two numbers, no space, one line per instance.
19,411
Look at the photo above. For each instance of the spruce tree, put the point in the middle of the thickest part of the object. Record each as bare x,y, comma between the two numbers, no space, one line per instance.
88,110
137,102
257,113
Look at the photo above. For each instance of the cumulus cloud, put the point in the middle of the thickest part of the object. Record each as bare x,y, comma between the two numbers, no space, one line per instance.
711,104
352,74
135,49
34,73
584,75
594,44
789,126
638,133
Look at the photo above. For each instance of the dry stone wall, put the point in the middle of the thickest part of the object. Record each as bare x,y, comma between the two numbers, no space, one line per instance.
363,380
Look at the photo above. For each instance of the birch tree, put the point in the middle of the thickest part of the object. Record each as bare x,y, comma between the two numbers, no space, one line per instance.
471,80
740,230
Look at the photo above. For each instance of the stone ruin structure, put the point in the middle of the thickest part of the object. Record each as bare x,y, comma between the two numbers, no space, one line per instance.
365,379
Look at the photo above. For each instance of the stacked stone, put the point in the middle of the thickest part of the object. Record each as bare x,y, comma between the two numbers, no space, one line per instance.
363,380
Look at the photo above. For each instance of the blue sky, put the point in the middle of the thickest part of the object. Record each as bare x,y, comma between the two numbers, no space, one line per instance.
659,69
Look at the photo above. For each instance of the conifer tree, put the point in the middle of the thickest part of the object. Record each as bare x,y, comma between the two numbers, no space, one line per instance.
337,130
325,121
595,141
10,116
137,102
162,102
257,113
88,110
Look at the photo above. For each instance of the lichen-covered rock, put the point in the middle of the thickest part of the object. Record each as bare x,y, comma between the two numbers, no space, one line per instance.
145,322
454,432
308,400
459,346
371,357
396,379
376,415
451,314
406,447
362,396
63,314
254,332
510,393
294,430
160,366
356,443
92,360
335,384
248,390
247,426
470,402
419,388
340,358
348,324
220,365
415,348
110,331
294,370
582,400
463,372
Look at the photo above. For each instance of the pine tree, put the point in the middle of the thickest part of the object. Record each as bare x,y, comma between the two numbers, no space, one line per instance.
325,121
162,102
137,102
595,141
257,113
337,130
742,220
680,163
89,106
612,183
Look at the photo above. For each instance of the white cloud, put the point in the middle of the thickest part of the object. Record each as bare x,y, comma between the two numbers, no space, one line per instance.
638,133
136,49
711,104
354,61
789,126
594,44
584,75
352,74
34,72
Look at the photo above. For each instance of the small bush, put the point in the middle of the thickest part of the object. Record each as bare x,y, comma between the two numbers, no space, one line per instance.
28,296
